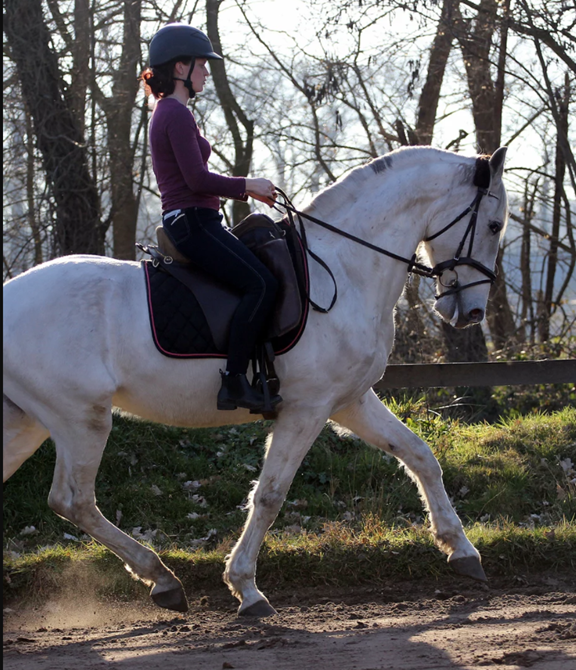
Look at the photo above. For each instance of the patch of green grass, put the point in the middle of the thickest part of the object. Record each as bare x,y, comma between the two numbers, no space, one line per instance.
519,467
154,477
492,404
338,555
183,490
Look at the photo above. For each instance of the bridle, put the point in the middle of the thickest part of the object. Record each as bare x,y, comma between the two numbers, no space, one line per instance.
437,271
414,267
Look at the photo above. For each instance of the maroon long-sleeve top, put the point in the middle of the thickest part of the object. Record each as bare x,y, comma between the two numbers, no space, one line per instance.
180,161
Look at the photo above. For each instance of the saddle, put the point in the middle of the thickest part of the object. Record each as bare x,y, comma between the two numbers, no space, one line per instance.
218,302
191,312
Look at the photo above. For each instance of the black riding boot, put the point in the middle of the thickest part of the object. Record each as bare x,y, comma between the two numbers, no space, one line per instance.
237,392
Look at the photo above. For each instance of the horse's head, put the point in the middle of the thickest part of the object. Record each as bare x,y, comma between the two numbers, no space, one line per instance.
464,251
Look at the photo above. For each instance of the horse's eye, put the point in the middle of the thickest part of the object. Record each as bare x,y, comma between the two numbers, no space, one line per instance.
495,226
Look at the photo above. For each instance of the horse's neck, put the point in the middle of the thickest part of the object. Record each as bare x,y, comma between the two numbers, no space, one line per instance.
389,212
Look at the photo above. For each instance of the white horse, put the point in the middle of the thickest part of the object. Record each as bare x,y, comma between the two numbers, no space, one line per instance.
77,342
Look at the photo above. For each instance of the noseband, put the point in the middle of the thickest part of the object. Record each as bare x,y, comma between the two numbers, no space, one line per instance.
413,266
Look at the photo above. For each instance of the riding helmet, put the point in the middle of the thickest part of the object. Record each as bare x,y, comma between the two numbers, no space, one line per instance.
180,39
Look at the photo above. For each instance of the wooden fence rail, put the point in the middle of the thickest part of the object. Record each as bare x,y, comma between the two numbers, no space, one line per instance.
507,373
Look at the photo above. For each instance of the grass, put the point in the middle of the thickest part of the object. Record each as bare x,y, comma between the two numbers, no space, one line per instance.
372,553
352,512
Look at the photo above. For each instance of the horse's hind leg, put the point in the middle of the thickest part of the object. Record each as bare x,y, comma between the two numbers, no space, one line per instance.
79,448
292,438
374,423
22,435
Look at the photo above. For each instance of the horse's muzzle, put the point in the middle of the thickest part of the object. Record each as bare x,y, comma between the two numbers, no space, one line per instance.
473,317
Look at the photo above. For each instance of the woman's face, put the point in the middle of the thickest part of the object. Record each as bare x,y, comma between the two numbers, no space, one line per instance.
199,75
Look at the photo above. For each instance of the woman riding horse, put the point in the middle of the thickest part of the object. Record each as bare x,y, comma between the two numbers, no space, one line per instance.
191,200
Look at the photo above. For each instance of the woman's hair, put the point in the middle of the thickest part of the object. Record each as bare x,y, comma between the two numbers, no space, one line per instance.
159,80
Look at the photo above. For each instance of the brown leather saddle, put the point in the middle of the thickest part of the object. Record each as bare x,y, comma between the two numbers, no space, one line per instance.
218,302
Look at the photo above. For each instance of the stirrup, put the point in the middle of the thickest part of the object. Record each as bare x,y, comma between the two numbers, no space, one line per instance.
265,380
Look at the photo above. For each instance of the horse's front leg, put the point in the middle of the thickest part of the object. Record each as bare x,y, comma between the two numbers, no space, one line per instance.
293,436
374,423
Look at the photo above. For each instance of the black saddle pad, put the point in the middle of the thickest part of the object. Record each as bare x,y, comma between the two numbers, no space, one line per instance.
179,327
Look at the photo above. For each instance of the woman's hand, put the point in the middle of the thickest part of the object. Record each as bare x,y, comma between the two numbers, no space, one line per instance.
262,190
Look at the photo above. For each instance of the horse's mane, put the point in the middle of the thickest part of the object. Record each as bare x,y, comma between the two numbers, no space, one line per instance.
346,188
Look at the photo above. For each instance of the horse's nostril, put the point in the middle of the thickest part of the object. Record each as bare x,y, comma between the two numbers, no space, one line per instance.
476,315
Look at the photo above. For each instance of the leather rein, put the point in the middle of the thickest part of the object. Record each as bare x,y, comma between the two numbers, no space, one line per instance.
414,267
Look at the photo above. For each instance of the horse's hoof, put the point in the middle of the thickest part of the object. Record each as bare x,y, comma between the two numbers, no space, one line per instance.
469,566
259,609
173,599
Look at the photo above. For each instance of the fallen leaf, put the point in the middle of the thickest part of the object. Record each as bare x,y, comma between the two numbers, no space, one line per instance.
29,530
199,500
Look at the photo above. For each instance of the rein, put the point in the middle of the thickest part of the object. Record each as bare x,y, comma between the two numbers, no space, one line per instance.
414,267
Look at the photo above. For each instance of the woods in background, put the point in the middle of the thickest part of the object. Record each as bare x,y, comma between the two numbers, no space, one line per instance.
355,80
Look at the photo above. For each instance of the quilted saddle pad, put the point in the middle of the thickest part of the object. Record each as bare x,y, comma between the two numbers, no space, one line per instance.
179,327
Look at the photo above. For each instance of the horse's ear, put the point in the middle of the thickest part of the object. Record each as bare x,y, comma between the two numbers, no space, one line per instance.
497,164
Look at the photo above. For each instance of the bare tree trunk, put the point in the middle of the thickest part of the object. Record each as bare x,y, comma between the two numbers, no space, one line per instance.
57,129
439,52
527,310
526,283
81,56
118,110
487,100
499,315
499,88
30,199
476,43
243,148
560,165
464,345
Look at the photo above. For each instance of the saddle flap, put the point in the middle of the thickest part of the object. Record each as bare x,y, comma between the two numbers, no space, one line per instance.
266,239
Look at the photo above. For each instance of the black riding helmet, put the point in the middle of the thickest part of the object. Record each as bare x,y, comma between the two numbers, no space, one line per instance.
180,39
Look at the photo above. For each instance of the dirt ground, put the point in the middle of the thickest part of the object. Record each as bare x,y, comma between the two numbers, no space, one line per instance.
529,623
